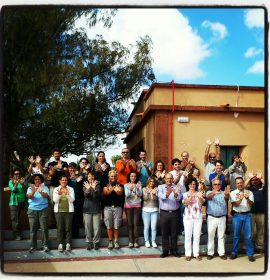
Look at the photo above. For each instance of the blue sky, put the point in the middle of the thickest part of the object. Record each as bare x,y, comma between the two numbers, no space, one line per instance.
222,46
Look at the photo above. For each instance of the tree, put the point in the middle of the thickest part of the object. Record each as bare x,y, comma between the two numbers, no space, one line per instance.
62,89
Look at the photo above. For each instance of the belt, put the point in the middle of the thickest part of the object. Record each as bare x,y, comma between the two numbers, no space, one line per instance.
216,216
242,213
170,211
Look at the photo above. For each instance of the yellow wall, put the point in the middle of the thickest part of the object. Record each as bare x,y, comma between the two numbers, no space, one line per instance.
247,130
208,97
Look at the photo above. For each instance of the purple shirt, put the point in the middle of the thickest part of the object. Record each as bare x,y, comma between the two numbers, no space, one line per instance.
170,203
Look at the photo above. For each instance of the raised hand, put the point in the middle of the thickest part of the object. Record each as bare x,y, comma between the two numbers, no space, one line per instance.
259,174
216,141
250,174
31,159
208,142
86,185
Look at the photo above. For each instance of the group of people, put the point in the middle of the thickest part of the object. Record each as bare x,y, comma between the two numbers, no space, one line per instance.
89,195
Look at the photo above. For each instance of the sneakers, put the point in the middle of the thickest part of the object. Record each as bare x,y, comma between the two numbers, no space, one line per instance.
46,249
116,244
32,250
130,245
147,244
68,247
136,245
110,245
60,248
154,244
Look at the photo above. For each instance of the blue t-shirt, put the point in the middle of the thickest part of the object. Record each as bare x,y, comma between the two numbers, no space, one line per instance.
144,174
38,202
217,206
221,177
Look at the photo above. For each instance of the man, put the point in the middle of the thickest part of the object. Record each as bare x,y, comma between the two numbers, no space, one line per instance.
256,185
169,196
242,201
186,163
216,218
124,166
177,174
144,168
210,158
57,167
218,173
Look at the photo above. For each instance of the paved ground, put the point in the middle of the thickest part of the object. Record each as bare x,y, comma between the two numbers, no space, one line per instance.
141,265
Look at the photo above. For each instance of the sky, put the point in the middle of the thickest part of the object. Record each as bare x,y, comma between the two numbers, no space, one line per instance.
214,46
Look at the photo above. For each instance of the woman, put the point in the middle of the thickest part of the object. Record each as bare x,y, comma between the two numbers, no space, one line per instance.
17,201
38,195
193,200
63,197
35,166
102,169
159,172
150,212
92,211
133,200
113,201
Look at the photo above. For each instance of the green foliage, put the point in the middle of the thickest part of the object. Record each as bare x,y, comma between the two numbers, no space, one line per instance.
115,158
62,89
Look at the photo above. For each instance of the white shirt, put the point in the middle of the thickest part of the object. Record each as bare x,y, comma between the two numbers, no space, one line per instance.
244,206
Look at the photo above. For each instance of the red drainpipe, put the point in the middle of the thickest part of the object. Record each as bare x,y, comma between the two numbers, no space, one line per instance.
171,127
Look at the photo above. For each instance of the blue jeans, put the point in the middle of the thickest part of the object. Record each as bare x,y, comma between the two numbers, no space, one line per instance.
181,213
239,222
150,218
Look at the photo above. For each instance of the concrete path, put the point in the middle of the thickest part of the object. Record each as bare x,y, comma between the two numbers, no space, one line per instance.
140,265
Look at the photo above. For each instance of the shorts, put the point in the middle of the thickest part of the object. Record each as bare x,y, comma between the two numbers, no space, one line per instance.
112,217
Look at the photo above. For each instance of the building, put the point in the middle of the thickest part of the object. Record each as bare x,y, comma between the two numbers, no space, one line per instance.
171,118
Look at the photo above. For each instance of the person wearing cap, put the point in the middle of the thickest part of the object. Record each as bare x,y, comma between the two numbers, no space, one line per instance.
38,196
210,158
169,196
256,185
242,201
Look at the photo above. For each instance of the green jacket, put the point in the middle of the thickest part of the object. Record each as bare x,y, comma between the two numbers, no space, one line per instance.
17,195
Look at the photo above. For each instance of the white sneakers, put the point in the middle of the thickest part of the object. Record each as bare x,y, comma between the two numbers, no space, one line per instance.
147,244
68,247
60,248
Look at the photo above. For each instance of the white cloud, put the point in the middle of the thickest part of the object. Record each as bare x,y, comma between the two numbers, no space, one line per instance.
256,68
254,18
251,52
218,29
177,49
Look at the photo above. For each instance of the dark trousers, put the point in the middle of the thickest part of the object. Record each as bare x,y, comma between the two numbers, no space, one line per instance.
133,215
15,212
36,219
64,226
169,223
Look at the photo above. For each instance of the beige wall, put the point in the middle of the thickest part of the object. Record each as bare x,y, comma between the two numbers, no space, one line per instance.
208,97
247,130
